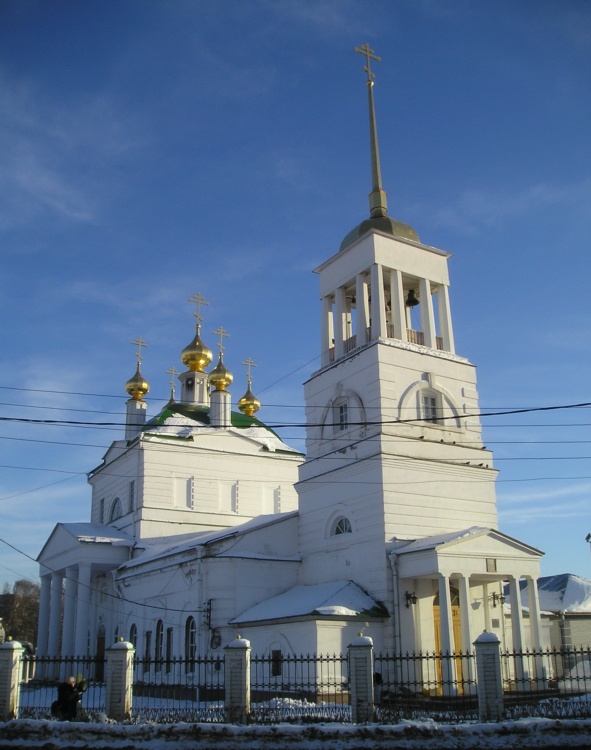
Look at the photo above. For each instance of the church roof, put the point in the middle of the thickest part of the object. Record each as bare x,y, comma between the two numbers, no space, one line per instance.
565,592
202,538
96,532
455,537
181,420
384,224
336,599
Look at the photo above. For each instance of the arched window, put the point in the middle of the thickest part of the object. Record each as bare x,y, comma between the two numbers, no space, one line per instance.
342,525
190,644
116,510
133,635
159,645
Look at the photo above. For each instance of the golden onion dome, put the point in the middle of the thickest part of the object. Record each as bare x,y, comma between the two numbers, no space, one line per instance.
196,356
220,377
137,386
249,403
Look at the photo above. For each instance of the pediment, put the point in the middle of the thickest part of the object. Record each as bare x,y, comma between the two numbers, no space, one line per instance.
477,551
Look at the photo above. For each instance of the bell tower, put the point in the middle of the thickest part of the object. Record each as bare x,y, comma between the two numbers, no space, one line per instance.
394,448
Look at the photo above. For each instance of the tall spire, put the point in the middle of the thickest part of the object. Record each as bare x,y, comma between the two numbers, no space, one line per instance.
378,200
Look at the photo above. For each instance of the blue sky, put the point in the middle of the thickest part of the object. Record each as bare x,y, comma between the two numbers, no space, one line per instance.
151,149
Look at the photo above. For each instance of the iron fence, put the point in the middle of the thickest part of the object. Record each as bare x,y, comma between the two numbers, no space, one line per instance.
441,687
178,689
547,683
286,687
41,677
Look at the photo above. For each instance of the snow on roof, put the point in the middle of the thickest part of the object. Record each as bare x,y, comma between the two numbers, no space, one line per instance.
336,599
184,423
430,542
201,538
565,592
96,533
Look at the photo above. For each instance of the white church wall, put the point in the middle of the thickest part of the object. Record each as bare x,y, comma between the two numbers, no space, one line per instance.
113,481
187,490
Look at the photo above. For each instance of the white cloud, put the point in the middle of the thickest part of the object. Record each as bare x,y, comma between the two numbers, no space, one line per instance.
480,208
56,154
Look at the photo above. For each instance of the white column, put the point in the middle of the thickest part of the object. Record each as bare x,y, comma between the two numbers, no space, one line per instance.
70,590
445,324
398,306
517,627
362,309
43,628
378,303
535,627
339,322
327,333
83,599
55,615
466,629
427,316
447,645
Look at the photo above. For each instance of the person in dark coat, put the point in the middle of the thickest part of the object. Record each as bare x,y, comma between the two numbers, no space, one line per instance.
68,696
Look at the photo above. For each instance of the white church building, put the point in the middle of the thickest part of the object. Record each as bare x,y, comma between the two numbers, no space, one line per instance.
205,525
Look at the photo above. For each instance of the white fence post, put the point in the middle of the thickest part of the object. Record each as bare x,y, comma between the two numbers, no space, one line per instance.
10,679
490,680
361,679
237,679
119,680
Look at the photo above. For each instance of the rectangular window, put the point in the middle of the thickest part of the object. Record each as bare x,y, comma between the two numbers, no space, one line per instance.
343,416
147,649
132,495
430,408
276,660
101,518
168,649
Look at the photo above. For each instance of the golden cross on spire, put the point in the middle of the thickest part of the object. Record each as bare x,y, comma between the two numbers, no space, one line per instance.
139,342
173,372
198,300
249,363
369,55
221,333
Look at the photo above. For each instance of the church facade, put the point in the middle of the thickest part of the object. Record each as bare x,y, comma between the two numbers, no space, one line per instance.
205,524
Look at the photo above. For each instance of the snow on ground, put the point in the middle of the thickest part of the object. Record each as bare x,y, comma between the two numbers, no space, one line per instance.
524,734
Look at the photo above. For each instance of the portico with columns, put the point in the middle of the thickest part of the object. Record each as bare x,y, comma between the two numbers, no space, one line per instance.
74,558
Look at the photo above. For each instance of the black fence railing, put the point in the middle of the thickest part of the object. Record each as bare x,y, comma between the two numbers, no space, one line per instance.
285,687
549,683
178,689
418,686
41,677
289,688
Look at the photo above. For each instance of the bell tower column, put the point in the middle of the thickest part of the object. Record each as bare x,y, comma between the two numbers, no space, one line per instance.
362,309
427,316
445,325
340,312
378,303
327,332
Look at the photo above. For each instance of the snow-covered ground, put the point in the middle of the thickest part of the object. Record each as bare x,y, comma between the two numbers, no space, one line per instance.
524,734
